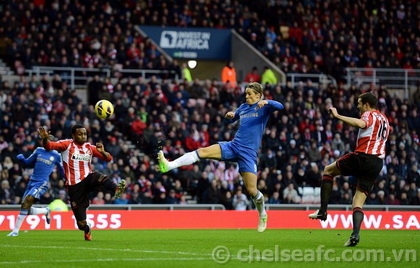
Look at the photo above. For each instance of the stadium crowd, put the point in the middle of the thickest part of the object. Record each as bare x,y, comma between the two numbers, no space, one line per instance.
308,36
298,143
322,36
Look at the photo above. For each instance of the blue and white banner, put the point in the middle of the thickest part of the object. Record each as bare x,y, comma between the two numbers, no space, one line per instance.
191,43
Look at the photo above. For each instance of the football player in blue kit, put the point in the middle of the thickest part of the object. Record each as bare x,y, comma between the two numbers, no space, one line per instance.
44,163
243,149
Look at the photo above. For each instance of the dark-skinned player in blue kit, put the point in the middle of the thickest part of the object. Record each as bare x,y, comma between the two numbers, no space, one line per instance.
253,116
44,163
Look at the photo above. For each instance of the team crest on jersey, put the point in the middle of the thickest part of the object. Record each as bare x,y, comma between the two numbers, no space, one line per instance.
51,158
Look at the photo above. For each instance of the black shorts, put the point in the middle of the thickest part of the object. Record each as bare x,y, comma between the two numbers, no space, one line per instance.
79,194
364,167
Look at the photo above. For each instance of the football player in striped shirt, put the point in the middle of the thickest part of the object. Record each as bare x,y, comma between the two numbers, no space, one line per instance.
365,163
81,180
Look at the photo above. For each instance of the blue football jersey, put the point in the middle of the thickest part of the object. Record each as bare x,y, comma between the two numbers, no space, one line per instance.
44,163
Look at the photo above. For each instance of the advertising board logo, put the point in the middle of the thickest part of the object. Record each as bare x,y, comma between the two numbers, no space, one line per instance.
185,40
168,39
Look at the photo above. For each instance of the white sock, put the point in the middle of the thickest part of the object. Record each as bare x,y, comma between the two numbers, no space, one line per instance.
185,160
35,211
259,203
19,220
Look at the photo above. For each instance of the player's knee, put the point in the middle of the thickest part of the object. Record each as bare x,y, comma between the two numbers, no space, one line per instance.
327,170
81,225
28,202
252,190
202,152
102,178
26,205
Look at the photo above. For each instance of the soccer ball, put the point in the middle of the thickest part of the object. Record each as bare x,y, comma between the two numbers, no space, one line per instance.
104,109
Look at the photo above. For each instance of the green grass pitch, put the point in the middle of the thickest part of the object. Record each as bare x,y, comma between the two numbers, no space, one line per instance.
209,248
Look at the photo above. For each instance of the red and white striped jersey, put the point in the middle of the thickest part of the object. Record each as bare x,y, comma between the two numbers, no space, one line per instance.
372,139
76,158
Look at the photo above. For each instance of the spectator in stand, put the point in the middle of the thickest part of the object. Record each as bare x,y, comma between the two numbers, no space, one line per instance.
227,200
392,200
268,77
229,75
7,195
122,200
313,176
413,175
372,199
404,201
274,199
186,73
98,199
381,197
137,128
192,141
240,201
135,198
416,199
291,195
172,198
253,76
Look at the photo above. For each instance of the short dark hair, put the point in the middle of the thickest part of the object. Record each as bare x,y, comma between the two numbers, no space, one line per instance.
76,127
369,98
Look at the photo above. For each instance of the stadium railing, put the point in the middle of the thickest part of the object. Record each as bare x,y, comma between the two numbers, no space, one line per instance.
79,77
391,78
316,79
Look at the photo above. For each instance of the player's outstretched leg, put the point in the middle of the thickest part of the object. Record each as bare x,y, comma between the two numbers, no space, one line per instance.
317,215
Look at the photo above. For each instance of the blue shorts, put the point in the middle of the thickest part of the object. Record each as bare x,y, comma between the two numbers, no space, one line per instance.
245,157
36,189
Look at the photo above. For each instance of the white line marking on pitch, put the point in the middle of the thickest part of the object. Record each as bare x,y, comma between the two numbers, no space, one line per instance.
108,249
109,260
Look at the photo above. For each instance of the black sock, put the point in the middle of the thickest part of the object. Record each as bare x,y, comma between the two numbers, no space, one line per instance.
87,229
326,188
357,219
